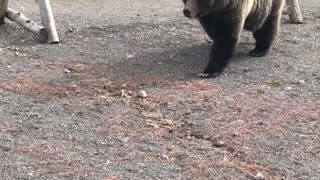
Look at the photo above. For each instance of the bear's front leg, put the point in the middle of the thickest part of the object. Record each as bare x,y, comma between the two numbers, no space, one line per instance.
221,52
228,27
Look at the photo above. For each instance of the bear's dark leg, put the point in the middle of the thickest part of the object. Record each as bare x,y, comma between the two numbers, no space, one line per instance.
265,36
221,52
208,24
226,35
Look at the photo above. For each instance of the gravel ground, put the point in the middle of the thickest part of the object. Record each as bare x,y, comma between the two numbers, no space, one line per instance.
72,111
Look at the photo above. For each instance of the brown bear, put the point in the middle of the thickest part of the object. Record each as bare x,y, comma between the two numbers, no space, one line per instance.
223,21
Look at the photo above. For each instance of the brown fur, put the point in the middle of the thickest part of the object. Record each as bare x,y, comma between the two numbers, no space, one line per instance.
223,20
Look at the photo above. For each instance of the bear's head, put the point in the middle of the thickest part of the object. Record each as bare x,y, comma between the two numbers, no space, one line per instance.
198,8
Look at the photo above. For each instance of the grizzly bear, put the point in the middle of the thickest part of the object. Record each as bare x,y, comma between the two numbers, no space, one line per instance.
223,21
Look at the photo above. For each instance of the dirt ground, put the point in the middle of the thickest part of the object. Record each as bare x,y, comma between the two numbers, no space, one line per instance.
71,111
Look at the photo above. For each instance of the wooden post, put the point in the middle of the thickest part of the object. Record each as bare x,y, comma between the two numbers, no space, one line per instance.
294,11
3,10
48,21
23,21
48,31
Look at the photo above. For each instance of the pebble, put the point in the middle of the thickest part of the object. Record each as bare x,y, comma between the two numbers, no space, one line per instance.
71,30
289,88
67,71
125,140
260,91
235,134
164,157
302,82
130,56
259,176
219,144
142,94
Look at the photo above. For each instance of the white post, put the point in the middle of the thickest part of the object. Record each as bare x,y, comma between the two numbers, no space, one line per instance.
3,10
48,21
294,11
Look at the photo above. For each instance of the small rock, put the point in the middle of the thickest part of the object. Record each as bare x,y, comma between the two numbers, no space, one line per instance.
71,30
259,176
260,91
123,94
289,88
124,86
169,149
130,56
302,82
235,134
163,157
125,140
142,94
67,71
219,144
